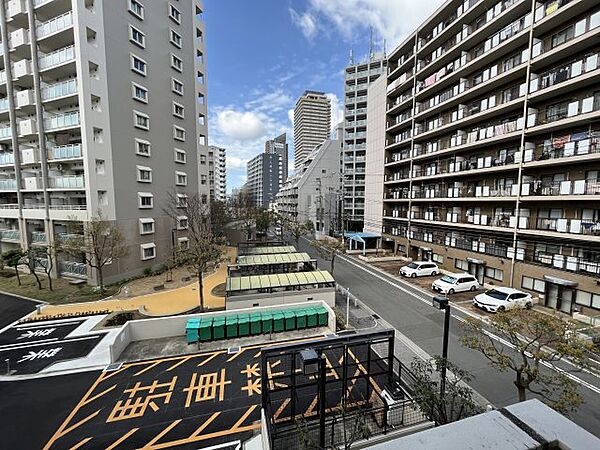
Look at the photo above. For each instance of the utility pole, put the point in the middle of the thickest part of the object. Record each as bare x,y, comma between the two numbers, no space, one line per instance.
319,205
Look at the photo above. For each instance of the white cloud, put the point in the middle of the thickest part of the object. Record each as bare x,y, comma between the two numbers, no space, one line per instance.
233,162
241,126
393,20
291,116
306,22
270,102
337,110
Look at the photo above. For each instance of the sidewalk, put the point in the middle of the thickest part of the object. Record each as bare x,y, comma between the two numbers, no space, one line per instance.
174,301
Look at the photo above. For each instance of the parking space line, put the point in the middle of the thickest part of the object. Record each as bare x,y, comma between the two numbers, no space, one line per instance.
38,343
81,422
214,355
202,427
244,417
97,396
81,443
45,325
145,369
155,439
121,439
177,364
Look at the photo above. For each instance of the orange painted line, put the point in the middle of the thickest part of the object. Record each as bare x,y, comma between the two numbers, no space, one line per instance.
210,358
202,427
203,437
156,438
280,409
177,364
146,369
81,443
236,355
97,396
81,422
106,375
121,439
244,417
362,368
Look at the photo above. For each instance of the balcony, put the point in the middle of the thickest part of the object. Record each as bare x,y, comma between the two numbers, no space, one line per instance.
71,268
38,237
7,158
10,235
67,182
564,72
573,145
5,133
55,25
58,90
539,188
463,192
3,105
586,265
549,7
572,226
57,58
69,151
8,185
61,121
570,109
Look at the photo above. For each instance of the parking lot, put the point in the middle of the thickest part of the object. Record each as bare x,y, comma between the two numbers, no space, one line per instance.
184,402
13,308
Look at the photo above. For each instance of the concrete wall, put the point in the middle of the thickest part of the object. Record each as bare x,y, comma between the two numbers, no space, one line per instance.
163,327
281,298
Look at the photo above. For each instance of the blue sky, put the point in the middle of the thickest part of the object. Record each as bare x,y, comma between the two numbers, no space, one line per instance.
262,54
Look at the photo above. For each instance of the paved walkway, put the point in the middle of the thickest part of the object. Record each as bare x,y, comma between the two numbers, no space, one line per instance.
174,301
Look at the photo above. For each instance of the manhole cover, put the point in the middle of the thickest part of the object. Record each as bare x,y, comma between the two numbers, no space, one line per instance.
112,367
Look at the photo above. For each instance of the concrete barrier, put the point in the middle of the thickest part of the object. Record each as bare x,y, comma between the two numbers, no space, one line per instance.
326,295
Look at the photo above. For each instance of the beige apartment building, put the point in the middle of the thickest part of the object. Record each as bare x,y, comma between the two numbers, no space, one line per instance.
492,152
312,124
102,110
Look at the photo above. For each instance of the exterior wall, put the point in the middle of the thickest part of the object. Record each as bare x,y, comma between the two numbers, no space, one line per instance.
493,144
281,298
263,179
279,146
312,122
217,173
375,156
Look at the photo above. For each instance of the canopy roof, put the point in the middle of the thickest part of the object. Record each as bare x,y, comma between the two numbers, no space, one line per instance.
253,282
279,258
270,250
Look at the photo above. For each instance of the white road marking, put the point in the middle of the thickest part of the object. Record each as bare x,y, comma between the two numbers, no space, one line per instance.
37,344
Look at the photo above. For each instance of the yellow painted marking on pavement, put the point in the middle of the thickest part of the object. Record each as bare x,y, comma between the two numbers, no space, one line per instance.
280,409
106,375
203,427
146,369
81,443
121,439
363,370
177,364
81,422
204,437
243,418
97,396
236,355
257,354
157,438
210,358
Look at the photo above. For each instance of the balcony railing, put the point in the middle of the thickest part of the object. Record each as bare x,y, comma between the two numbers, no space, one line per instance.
58,90
54,25
565,262
38,237
549,7
66,151
557,188
576,144
66,120
67,182
5,132
8,185
565,72
12,235
7,158
3,105
72,268
57,57
559,111
575,226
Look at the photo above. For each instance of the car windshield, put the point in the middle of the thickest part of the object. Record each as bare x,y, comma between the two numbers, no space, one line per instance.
413,266
496,294
448,279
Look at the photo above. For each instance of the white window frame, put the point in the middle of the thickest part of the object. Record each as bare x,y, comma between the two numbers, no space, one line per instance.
180,197
174,82
147,246
139,170
145,195
178,174
137,147
179,226
183,242
132,58
176,43
179,151
203,179
175,130
130,8
132,39
135,97
147,220
178,68
177,17
137,114
175,113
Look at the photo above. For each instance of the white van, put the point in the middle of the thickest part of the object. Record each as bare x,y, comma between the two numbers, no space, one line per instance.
419,269
456,282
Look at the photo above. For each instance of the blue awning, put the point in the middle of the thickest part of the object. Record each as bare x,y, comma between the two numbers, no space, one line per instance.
360,237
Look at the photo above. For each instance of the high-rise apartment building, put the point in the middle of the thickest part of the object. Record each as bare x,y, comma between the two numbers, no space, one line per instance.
279,146
102,111
312,124
217,173
262,179
493,146
358,77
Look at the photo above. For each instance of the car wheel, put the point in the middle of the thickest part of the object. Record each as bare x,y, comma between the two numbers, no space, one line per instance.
413,275
451,291
500,309
434,273
528,305
473,288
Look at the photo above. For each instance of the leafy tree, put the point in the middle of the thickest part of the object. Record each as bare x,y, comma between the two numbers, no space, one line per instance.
328,248
538,339
457,402
263,219
14,258
99,242
204,250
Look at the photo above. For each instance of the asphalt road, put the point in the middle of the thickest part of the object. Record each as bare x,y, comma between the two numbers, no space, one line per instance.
423,324
13,308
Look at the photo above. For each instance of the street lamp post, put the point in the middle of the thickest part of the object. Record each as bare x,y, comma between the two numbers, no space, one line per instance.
442,303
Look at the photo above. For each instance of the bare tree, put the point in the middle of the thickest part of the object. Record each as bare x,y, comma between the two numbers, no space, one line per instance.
243,210
41,258
99,243
204,250
31,260
329,247
537,339
297,229
14,258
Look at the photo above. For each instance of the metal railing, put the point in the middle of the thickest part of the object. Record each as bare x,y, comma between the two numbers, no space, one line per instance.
66,151
38,236
55,24
8,185
65,120
13,235
72,268
60,89
67,182
57,57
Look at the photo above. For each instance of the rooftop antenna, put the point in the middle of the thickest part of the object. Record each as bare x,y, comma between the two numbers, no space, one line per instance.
384,50
371,43
351,57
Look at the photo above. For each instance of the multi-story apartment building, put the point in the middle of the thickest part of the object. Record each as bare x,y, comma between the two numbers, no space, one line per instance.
493,145
312,124
358,77
279,146
262,179
102,111
217,173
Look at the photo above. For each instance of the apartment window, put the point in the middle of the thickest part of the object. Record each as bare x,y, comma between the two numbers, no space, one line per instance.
178,110
182,200
142,147
180,178
177,86
138,65
182,222
178,133
144,174
184,243
203,159
137,37
461,264
175,38
203,179
494,274
180,156
174,14
145,200
148,251
146,226
587,299
437,258
100,166
176,63
140,93
141,120
103,198
533,284
136,8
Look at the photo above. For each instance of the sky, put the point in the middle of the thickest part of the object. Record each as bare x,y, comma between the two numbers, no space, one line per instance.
261,55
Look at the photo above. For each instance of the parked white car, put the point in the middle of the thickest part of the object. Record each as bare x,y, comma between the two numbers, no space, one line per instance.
457,282
419,269
502,299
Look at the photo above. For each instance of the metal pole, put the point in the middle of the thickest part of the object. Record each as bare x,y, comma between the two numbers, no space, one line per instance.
347,308
7,360
322,375
445,351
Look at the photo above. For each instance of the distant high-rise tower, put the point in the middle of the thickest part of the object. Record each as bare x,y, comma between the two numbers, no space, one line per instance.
279,147
312,123
217,175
